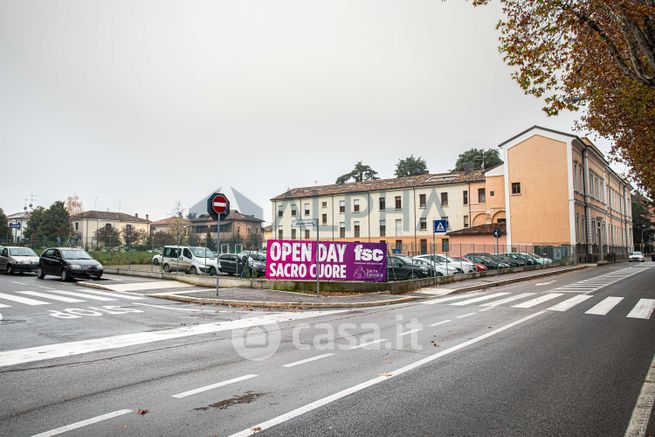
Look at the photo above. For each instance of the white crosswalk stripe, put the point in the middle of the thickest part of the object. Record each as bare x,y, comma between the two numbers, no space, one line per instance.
605,306
507,299
479,299
449,298
51,296
537,301
19,299
82,296
643,309
116,295
570,303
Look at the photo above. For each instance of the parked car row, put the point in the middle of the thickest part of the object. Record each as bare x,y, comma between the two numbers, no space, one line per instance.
194,260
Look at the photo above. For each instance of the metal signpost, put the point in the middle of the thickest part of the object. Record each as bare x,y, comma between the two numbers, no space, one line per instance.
440,227
218,207
310,223
497,233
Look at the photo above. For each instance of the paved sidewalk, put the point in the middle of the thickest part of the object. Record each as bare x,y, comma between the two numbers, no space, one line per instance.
263,298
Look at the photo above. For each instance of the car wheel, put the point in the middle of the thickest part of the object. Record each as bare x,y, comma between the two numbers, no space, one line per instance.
167,268
65,276
98,276
193,270
40,274
155,262
212,271
438,274
411,275
10,269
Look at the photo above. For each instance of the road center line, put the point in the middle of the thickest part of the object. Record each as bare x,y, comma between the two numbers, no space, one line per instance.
307,360
465,315
440,323
212,386
343,393
82,423
368,343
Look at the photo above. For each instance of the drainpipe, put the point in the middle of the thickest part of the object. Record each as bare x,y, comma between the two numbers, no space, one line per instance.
414,195
585,163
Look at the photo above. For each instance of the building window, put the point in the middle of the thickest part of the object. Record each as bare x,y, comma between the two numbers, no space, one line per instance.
424,246
280,212
293,233
399,227
383,203
421,200
466,197
482,198
108,226
444,199
383,228
293,210
342,206
342,230
445,245
279,234
324,219
306,208
356,205
356,229
307,234
516,188
466,221
399,203
399,246
77,226
324,205
423,224
501,221
491,193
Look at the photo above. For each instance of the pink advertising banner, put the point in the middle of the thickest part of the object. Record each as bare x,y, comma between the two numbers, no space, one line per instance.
338,261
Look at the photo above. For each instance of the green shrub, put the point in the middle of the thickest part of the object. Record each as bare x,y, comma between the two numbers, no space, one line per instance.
121,258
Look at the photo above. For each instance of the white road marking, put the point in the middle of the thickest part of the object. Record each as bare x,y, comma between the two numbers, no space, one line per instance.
51,296
82,296
507,299
644,406
4,306
174,293
448,299
46,352
479,299
368,343
643,309
307,360
486,309
570,303
82,423
411,331
465,315
537,301
197,310
45,288
142,286
539,284
115,295
25,300
605,306
212,386
371,382
440,323
19,283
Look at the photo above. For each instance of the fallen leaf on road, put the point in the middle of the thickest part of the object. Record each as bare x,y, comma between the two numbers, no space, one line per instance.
256,429
387,374
142,412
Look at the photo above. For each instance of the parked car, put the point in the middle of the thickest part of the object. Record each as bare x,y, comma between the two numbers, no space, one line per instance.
157,259
254,264
231,264
513,262
539,259
189,259
15,259
490,263
527,261
467,265
403,267
441,264
68,263
636,256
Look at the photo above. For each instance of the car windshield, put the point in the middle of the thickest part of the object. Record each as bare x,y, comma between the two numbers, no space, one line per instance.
636,253
258,257
202,252
21,251
74,254
422,261
405,259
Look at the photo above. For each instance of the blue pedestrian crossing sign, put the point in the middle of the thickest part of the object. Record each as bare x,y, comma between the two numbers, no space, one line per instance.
440,226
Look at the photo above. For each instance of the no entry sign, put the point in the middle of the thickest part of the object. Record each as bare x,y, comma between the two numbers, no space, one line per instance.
218,205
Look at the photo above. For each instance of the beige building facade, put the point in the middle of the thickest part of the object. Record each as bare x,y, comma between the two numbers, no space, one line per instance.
85,226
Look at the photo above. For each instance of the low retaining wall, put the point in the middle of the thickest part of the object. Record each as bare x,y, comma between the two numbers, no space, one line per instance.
395,287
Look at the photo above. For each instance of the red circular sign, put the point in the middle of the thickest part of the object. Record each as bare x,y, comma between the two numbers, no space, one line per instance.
219,204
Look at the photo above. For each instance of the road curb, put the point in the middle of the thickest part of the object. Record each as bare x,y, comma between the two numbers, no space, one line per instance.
287,305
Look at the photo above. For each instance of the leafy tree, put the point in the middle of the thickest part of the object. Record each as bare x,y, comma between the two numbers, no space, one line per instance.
411,166
134,237
108,237
253,241
74,205
5,230
595,54
360,173
641,220
475,157
210,242
162,238
45,226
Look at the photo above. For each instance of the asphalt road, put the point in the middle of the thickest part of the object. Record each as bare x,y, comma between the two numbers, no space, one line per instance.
564,355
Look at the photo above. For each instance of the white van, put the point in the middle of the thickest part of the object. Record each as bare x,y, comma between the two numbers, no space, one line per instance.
189,259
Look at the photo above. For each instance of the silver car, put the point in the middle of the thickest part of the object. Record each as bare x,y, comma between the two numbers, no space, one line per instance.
636,256
16,259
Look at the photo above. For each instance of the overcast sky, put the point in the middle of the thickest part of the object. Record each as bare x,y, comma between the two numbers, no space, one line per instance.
139,104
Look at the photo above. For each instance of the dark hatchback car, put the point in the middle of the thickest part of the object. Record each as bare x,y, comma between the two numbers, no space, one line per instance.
68,263
402,267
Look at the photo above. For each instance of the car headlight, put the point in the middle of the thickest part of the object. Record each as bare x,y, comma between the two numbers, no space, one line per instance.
99,267
75,267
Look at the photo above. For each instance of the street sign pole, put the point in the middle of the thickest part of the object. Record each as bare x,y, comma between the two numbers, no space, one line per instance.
218,207
218,248
434,255
318,282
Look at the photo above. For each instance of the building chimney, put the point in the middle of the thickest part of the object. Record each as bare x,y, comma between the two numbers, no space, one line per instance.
147,217
136,214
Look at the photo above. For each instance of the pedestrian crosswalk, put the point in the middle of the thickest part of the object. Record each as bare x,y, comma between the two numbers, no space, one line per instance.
596,283
51,296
